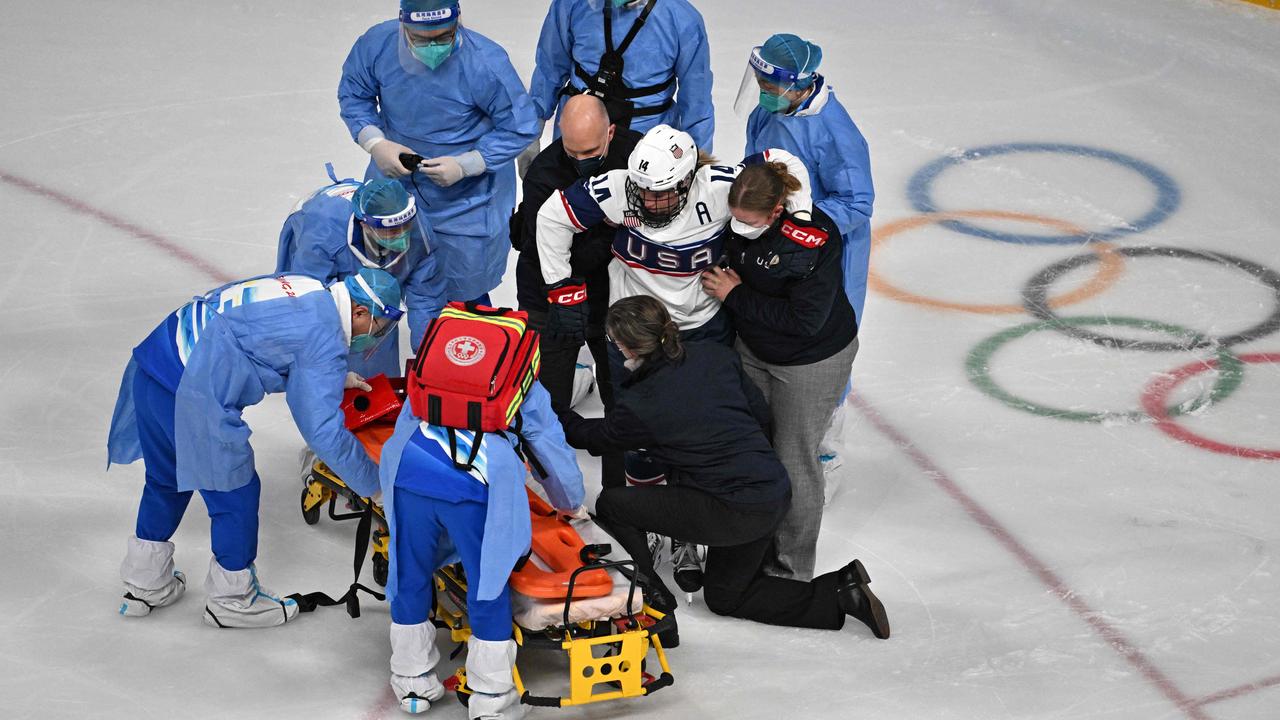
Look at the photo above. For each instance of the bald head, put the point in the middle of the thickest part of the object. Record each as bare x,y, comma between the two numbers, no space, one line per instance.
584,127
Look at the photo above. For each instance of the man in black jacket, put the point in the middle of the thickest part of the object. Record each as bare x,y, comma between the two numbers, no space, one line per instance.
588,145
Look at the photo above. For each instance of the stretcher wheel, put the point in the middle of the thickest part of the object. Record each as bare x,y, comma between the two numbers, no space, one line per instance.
311,516
380,569
464,698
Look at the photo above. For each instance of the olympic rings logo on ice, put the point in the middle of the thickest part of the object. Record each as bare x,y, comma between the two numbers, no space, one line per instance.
1107,262
464,350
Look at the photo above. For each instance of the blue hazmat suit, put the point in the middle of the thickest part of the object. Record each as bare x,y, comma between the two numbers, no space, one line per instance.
673,41
473,101
186,385
821,133
414,461
223,352
322,238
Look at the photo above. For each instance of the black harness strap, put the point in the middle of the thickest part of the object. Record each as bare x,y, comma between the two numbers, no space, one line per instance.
308,602
607,83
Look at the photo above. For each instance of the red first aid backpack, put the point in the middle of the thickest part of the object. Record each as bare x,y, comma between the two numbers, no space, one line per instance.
473,369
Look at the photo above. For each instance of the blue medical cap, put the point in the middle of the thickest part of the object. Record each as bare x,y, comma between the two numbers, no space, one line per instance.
383,202
794,54
384,287
429,13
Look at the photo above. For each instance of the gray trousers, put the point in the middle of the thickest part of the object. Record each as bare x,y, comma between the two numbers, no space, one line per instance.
802,398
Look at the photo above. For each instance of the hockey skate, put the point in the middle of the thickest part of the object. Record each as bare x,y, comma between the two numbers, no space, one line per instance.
238,600
686,565
149,579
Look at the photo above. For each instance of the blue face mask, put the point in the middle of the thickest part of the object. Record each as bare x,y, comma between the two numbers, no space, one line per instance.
431,54
773,103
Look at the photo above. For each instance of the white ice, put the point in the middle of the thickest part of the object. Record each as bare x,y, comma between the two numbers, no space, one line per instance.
1033,567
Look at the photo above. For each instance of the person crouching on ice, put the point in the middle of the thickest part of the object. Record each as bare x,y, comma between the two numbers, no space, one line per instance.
180,406
436,481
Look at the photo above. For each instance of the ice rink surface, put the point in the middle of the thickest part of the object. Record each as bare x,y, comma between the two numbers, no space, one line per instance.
1045,548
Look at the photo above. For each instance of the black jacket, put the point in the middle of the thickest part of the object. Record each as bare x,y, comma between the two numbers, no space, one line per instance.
784,315
701,417
589,257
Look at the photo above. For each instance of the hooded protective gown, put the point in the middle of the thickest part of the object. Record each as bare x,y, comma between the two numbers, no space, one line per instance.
410,462
322,239
824,137
673,42
472,101
223,352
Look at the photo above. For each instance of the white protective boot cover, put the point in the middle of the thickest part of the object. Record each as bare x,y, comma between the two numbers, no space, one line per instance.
149,578
306,461
489,676
413,661
584,382
237,600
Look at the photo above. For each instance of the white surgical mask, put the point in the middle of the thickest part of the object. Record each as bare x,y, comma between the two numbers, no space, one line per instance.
749,232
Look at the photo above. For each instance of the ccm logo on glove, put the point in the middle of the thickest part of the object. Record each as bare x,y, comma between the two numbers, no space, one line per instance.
806,237
567,295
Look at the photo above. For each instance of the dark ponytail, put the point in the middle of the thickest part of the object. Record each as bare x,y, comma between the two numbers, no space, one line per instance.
642,324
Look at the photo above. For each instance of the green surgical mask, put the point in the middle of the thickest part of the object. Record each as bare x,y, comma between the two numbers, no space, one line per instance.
773,103
432,55
395,243
361,343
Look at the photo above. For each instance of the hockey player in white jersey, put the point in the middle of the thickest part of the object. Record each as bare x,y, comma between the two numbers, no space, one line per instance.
671,208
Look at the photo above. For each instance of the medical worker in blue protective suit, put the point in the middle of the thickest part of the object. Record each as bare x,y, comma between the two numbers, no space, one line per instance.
428,86
485,513
350,225
797,110
180,406
660,75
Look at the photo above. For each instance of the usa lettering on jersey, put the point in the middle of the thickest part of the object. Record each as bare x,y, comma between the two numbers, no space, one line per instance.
639,252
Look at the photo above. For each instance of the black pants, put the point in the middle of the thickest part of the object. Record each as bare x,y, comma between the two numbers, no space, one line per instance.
559,364
738,538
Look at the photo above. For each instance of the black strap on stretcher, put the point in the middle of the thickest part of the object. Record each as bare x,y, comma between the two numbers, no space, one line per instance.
308,602
607,83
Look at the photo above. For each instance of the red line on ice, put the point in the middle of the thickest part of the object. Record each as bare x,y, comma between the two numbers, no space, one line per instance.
1037,567
1236,692
119,223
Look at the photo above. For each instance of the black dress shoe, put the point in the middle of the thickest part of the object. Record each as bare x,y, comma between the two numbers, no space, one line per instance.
857,600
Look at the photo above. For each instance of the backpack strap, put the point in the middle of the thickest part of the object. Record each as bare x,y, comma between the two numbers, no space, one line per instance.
471,456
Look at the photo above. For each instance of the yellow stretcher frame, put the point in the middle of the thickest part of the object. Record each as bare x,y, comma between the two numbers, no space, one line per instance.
623,668
627,640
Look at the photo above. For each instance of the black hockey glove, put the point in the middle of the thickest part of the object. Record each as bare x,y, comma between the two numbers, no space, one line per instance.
567,310
792,251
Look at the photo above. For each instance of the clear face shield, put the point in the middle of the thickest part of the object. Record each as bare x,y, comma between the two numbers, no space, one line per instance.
382,320
769,86
389,232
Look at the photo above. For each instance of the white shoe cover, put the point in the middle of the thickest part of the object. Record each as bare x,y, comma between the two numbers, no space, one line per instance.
237,600
413,659
493,685
306,461
483,706
149,578
584,382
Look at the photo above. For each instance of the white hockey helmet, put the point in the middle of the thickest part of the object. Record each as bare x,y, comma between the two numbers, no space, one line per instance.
660,172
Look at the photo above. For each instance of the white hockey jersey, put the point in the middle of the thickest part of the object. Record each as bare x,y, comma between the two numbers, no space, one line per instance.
662,262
